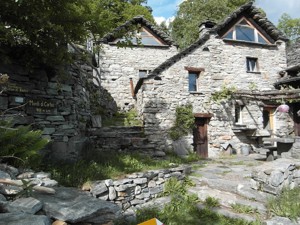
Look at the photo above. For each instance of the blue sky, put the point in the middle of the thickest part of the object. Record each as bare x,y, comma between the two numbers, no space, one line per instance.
164,9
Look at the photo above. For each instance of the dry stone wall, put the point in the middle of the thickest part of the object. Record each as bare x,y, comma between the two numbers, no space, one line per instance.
225,65
137,188
119,65
58,102
276,175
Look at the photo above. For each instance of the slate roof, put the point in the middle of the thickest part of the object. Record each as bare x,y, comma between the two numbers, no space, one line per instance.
246,9
293,54
137,20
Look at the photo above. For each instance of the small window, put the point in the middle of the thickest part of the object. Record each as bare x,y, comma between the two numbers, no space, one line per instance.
252,65
238,114
144,73
193,81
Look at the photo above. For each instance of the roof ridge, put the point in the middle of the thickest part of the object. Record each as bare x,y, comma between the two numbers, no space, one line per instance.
135,20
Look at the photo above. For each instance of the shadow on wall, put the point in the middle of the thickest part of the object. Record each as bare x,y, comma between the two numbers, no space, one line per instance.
159,117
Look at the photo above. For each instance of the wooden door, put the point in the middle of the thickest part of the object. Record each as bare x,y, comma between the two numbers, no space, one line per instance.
200,137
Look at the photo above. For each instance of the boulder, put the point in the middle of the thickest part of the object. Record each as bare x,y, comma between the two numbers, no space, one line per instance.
74,206
24,219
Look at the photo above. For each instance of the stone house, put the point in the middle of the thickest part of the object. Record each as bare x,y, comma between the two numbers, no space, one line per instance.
121,68
243,53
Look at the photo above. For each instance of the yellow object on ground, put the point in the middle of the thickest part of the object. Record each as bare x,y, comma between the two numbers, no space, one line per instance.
153,221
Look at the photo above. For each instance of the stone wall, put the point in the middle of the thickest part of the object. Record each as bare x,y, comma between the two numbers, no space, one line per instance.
274,176
225,65
58,102
137,188
118,65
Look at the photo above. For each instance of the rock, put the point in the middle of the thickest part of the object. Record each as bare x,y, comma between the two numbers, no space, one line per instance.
25,175
24,219
112,194
49,183
98,188
12,171
159,154
59,222
4,175
74,206
276,178
279,221
42,175
182,147
140,180
27,205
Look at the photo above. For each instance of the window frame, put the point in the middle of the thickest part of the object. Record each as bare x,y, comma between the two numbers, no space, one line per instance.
147,72
249,65
196,82
197,71
249,25
238,114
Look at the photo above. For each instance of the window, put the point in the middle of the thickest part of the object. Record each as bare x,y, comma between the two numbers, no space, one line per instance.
143,37
144,73
245,31
252,65
238,118
193,84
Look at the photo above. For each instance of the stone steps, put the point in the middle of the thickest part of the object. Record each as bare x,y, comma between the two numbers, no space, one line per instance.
121,138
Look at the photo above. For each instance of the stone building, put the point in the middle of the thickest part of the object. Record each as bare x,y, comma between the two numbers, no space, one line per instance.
59,102
121,68
243,53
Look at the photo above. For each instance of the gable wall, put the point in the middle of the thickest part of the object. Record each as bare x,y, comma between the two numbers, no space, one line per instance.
224,64
119,64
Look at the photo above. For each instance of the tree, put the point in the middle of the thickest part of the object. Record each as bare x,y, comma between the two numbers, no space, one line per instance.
191,13
289,26
36,32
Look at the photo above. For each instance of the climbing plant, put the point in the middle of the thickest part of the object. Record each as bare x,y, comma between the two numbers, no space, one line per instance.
184,122
224,94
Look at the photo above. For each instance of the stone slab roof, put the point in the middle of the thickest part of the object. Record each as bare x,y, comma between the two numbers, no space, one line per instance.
293,54
246,9
135,21
249,9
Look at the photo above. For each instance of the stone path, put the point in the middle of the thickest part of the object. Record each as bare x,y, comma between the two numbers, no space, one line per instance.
229,181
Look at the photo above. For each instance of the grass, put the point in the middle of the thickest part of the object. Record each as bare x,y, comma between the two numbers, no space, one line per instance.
211,202
239,208
182,209
287,204
101,165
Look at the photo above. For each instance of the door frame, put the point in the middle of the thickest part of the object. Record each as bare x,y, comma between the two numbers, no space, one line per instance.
201,148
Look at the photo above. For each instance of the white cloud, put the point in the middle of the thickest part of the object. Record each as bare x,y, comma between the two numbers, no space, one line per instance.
161,19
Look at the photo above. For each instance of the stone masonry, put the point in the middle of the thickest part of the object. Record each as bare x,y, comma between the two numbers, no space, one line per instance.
119,65
224,64
58,102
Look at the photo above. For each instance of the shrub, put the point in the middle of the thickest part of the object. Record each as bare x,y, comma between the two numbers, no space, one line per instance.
20,144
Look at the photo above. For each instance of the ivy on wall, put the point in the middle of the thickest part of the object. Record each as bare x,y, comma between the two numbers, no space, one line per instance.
184,122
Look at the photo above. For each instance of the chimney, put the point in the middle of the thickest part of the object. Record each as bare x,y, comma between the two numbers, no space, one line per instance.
205,26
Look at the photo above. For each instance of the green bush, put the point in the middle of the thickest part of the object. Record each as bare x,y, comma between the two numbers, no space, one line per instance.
20,145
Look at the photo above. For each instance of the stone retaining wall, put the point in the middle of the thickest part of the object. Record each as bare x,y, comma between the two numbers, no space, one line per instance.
271,177
135,189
